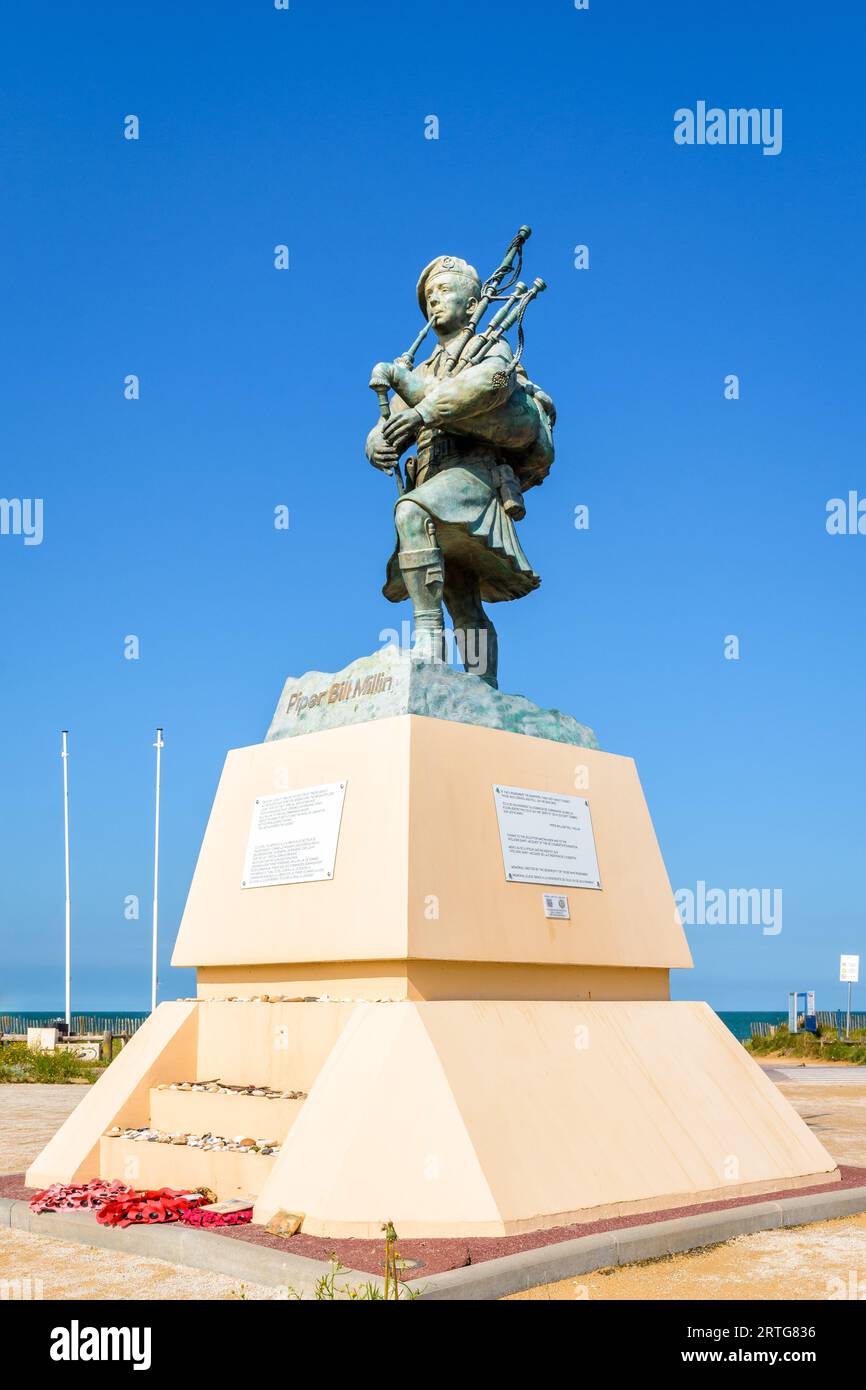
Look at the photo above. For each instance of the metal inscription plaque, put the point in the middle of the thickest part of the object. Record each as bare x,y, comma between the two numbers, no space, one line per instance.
546,838
293,836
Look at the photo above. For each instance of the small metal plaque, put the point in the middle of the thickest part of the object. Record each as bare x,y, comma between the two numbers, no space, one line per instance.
546,837
293,836
556,905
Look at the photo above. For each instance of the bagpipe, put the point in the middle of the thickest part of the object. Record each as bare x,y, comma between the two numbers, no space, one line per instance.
472,345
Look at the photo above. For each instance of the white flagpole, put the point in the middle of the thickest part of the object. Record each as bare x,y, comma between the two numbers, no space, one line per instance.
159,745
64,753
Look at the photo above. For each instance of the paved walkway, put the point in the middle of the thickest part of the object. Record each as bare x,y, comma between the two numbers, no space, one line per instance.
816,1076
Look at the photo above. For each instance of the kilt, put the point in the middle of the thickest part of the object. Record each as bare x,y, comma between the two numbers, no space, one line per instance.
474,532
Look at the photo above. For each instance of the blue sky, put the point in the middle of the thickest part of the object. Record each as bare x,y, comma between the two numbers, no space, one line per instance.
707,516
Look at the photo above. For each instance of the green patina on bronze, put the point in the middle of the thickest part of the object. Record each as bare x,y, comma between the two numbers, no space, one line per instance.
392,682
483,436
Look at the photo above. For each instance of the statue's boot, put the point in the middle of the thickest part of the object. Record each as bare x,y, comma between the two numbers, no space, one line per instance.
424,579
474,632
479,648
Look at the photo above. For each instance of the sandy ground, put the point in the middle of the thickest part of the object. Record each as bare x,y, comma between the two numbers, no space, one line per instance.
826,1260
810,1262
65,1270
29,1116
821,1261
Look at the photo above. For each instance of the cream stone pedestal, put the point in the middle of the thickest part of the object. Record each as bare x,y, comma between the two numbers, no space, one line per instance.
476,1068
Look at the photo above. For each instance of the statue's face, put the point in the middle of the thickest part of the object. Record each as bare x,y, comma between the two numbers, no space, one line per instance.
449,302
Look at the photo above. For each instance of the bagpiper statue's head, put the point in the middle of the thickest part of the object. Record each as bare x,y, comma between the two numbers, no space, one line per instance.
448,291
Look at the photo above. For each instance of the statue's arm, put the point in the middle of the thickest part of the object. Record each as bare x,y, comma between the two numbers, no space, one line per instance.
420,398
409,386
474,391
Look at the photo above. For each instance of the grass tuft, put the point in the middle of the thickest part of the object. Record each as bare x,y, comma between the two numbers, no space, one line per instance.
823,1046
19,1064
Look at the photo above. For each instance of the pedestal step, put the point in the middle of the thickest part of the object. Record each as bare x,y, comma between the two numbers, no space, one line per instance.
467,1117
281,1046
214,1112
142,1164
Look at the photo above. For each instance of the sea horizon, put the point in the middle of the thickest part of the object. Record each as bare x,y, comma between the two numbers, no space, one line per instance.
737,1020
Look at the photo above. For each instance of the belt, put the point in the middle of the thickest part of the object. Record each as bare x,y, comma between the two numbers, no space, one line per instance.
438,450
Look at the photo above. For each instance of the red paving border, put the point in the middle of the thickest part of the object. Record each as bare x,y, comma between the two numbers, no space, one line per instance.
436,1255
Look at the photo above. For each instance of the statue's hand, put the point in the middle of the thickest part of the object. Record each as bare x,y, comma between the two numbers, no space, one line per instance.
402,428
383,455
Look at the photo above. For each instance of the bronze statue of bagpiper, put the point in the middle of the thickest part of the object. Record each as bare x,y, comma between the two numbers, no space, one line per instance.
483,436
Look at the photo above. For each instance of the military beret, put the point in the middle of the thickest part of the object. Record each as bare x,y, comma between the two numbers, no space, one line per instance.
453,265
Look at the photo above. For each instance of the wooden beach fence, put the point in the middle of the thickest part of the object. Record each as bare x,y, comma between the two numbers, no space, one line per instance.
105,1028
827,1018
763,1030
